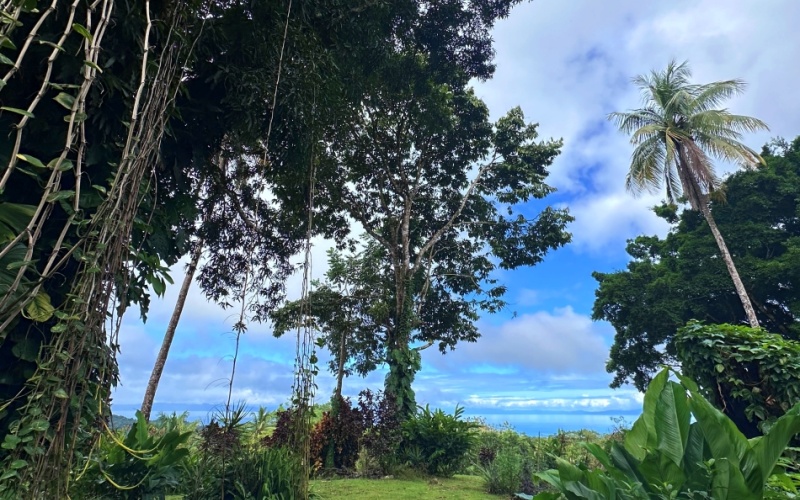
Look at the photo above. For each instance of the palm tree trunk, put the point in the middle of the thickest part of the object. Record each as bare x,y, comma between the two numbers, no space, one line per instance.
726,256
169,335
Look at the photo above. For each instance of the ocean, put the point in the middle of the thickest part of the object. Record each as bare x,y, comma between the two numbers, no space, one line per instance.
531,424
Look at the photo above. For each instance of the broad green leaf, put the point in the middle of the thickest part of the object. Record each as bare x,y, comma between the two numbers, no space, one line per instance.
672,420
65,164
5,60
64,99
36,162
636,439
18,464
14,218
628,464
723,438
40,309
26,349
6,42
694,457
81,30
772,445
10,442
40,425
64,194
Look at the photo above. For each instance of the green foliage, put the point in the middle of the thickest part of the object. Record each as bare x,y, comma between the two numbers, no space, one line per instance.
436,442
141,465
503,473
680,448
267,474
671,281
751,375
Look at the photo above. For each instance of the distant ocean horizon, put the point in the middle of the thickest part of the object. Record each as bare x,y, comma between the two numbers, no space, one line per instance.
531,424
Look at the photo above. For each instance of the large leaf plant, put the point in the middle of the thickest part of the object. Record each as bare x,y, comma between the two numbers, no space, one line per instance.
680,448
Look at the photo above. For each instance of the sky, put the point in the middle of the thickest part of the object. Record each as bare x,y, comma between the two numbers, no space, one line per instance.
540,364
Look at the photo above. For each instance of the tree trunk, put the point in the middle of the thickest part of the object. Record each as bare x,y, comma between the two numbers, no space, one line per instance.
403,362
161,360
340,372
726,256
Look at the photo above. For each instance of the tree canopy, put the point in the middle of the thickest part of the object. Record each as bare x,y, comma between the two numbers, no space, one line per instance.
681,277
433,183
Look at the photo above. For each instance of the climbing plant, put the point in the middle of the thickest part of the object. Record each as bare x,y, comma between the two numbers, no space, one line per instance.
750,375
79,162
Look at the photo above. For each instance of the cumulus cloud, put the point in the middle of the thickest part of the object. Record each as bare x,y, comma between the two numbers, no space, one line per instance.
558,342
568,64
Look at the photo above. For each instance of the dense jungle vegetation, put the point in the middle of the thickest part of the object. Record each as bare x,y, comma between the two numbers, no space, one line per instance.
230,133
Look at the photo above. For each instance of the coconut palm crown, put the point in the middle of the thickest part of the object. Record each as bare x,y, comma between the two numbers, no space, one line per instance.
677,133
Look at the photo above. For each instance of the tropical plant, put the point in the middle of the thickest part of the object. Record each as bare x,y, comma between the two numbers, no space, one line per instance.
382,436
503,473
335,438
680,448
140,465
438,443
669,281
676,133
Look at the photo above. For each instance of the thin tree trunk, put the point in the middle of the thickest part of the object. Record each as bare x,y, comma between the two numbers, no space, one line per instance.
169,335
726,256
340,372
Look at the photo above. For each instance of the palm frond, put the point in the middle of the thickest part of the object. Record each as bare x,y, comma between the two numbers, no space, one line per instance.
711,95
635,119
727,124
646,132
728,149
647,164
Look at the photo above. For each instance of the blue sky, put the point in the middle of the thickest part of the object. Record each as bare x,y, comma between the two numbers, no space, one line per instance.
567,64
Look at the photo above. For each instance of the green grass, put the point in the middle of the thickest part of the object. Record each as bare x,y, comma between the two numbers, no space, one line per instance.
458,487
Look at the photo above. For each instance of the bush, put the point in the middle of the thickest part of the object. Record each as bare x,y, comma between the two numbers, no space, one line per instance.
136,466
271,473
751,375
503,474
436,442
335,438
382,435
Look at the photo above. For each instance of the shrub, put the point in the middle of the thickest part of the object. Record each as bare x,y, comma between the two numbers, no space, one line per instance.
271,473
751,375
382,435
335,438
503,474
136,466
436,442
284,428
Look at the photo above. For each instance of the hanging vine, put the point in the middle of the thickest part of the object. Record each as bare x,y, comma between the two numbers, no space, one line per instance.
56,417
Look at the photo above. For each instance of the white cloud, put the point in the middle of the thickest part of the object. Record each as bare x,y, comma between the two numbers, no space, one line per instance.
569,63
560,342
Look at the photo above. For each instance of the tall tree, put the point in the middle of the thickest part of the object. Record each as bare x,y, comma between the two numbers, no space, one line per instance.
676,133
672,280
434,184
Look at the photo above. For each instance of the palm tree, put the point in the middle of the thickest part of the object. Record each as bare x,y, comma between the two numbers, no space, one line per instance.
675,135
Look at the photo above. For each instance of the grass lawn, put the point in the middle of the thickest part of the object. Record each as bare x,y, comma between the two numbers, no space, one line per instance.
458,487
